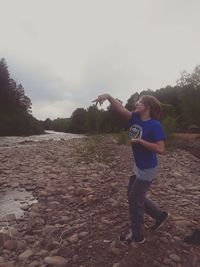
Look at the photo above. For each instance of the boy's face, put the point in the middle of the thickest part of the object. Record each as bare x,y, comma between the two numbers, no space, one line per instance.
139,106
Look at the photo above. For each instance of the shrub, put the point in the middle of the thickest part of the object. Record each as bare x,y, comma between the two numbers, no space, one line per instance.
169,124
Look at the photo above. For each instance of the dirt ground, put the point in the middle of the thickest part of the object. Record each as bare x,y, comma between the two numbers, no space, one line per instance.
188,141
82,207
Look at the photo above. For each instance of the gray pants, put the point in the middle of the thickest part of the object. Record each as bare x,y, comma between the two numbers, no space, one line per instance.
139,203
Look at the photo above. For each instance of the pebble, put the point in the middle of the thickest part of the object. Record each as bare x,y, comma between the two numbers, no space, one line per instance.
34,264
82,206
115,251
73,238
175,257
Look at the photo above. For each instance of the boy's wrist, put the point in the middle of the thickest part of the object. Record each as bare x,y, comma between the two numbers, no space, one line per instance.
108,96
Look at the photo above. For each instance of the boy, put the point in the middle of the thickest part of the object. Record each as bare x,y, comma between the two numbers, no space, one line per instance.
147,139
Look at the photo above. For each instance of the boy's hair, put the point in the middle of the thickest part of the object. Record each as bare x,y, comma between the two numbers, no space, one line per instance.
153,104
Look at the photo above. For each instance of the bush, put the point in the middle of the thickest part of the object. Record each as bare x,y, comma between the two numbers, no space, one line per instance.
19,123
122,138
169,124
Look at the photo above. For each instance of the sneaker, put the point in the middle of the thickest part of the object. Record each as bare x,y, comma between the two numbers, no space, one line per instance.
159,222
129,238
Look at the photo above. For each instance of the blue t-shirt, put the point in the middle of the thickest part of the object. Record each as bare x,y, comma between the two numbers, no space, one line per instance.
151,131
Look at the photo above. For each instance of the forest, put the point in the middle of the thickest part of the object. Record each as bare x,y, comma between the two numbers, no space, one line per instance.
15,107
180,109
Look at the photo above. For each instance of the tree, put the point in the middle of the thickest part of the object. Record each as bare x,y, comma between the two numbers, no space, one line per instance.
94,119
190,79
171,96
22,100
48,124
5,92
190,108
131,101
61,125
12,96
15,107
78,121
117,122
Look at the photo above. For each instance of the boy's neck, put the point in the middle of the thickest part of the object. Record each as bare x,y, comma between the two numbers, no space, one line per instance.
145,116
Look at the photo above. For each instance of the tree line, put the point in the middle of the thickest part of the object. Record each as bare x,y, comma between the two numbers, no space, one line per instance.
15,107
180,110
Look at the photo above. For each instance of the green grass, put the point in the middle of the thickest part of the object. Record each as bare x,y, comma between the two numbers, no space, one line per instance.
122,138
94,149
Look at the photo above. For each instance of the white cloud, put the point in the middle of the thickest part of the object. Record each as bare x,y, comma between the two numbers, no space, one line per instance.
67,52
52,109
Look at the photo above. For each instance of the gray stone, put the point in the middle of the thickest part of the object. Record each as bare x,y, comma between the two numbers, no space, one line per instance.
43,253
56,261
75,258
21,244
4,236
11,217
26,254
73,238
34,263
175,257
10,244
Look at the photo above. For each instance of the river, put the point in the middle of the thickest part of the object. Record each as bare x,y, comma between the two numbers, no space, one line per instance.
14,201
49,135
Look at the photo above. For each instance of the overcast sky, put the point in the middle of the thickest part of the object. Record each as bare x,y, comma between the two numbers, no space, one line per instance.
66,52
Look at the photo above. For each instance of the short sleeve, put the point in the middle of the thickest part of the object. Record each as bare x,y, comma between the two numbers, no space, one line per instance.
132,119
158,132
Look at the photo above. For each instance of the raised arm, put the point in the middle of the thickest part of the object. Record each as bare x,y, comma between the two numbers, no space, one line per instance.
115,104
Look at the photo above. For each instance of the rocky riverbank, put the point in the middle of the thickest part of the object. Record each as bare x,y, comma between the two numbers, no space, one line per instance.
80,185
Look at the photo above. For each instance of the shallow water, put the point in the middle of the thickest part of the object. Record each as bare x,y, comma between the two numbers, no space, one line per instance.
13,201
49,135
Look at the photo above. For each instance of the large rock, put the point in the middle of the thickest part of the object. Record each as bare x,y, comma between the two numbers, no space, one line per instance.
56,261
4,236
25,255
10,244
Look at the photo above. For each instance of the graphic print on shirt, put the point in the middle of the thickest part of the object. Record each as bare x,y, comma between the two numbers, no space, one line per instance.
135,131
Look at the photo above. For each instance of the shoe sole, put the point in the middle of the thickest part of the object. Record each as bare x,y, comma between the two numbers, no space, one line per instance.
161,223
141,242
132,242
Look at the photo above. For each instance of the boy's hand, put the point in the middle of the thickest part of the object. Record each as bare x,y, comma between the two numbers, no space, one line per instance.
136,140
101,98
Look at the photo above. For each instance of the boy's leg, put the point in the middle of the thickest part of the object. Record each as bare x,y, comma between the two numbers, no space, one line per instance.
132,179
151,209
156,213
136,201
